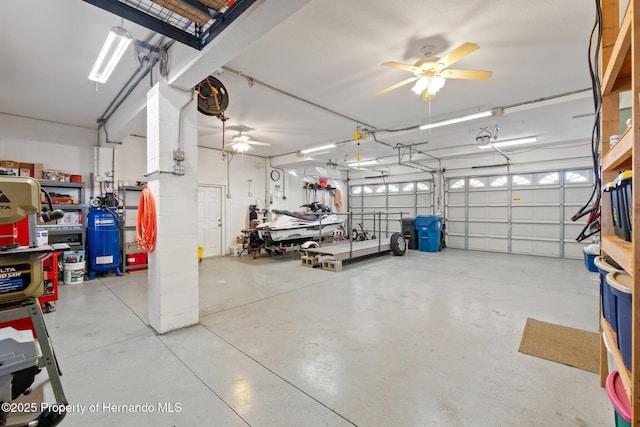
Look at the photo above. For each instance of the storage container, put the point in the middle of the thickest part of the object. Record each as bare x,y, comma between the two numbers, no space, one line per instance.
429,228
618,397
136,259
608,299
589,262
623,186
621,286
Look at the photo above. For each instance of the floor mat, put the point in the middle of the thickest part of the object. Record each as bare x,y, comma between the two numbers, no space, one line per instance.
570,346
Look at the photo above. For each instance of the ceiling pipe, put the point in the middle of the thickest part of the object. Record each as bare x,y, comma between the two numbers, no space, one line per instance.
296,97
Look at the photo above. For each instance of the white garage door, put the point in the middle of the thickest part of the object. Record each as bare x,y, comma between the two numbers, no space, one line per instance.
387,201
518,213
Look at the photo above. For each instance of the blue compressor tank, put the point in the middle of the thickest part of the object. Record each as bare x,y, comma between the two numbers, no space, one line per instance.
103,241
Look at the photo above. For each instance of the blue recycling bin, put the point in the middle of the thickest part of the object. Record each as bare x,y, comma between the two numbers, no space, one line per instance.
429,228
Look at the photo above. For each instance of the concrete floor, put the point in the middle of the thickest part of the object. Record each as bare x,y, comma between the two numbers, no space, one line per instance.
428,339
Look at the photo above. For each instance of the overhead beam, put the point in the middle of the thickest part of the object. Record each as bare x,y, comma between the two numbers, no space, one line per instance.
188,66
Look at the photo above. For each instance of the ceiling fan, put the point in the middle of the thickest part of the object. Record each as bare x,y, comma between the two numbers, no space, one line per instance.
430,72
241,143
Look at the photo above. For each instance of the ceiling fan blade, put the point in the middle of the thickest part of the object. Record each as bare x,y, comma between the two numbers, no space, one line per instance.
397,85
458,53
401,66
264,144
466,74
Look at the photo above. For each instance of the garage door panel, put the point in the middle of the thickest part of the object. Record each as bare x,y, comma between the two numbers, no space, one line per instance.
532,247
542,213
537,195
548,231
577,194
402,200
456,198
489,228
488,212
488,244
456,212
488,197
456,242
574,250
455,226
424,210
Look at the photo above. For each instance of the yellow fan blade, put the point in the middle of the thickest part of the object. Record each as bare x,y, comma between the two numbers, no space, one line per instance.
466,74
264,144
458,53
397,85
405,67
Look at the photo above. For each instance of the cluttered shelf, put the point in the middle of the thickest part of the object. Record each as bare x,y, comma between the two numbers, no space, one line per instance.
619,156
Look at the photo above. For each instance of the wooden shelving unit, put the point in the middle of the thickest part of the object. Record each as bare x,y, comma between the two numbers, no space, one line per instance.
621,73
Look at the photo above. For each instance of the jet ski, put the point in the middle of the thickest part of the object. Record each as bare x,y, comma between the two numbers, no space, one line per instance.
289,228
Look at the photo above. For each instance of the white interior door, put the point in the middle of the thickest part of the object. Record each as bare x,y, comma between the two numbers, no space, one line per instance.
210,220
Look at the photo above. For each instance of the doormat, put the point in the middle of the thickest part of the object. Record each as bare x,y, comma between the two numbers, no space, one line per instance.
569,346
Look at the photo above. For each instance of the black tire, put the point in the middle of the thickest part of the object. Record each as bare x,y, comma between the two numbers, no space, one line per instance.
398,244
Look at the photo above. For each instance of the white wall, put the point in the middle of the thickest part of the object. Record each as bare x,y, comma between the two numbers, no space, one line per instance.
212,170
61,147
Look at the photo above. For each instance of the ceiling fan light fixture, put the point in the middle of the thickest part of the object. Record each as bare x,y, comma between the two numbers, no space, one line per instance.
435,84
117,42
421,84
242,147
510,142
319,148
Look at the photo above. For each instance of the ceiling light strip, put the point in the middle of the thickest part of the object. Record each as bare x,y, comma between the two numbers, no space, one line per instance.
117,42
461,119
510,142
320,148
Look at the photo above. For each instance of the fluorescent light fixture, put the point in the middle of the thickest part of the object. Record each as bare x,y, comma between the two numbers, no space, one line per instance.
459,119
112,50
365,163
320,148
510,142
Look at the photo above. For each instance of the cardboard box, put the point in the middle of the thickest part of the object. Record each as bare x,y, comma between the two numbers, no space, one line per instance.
43,237
71,218
72,257
11,166
34,170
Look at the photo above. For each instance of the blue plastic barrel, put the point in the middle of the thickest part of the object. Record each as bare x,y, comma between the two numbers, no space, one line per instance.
608,297
103,241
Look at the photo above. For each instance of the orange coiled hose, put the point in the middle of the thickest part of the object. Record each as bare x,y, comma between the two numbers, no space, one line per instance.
146,222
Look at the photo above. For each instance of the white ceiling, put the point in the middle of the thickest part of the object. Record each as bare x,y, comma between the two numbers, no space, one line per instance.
329,54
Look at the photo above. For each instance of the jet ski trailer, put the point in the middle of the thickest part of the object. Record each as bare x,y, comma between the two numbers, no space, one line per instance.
331,257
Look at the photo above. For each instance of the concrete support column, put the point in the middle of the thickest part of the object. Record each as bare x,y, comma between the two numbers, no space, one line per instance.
173,266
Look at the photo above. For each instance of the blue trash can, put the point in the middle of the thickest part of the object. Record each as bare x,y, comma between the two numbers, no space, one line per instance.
429,228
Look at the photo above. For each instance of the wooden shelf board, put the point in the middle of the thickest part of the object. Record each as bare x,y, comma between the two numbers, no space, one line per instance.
620,153
621,49
620,250
612,343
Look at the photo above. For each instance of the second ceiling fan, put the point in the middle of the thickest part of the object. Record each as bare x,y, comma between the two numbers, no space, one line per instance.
430,73
241,143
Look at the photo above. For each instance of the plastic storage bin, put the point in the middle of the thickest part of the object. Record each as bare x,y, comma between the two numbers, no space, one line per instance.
621,286
625,204
607,296
618,397
429,228
610,188
589,262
